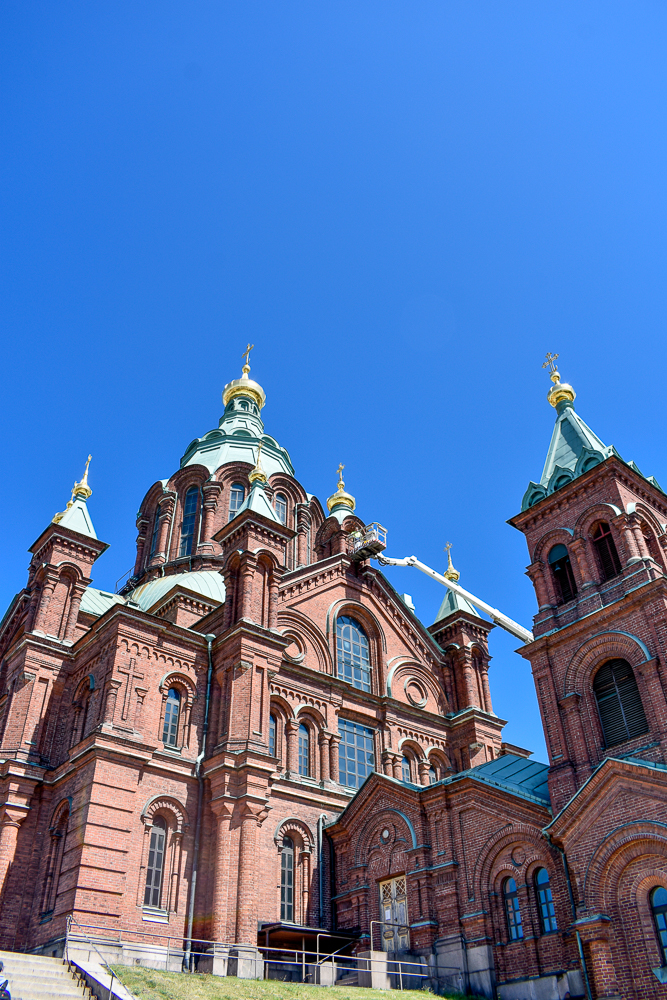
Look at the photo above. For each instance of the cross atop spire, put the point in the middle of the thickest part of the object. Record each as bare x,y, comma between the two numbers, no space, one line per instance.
246,355
340,468
550,363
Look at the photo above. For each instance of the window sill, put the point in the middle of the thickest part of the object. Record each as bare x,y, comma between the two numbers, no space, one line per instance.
155,915
174,750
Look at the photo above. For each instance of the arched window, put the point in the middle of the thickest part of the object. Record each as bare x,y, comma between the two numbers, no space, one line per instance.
356,758
281,507
287,880
619,703
605,547
156,532
545,902
304,750
272,735
354,665
432,776
189,518
171,713
155,866
559,561
659,908
405,769
236,498
54,862
512,910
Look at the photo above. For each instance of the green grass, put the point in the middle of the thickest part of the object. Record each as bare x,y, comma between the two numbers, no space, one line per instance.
149,984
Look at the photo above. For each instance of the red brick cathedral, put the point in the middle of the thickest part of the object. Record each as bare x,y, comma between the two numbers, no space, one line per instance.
256,741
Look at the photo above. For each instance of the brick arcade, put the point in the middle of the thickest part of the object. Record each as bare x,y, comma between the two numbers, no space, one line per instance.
257,733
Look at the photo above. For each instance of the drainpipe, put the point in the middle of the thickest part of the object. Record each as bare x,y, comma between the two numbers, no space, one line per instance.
200,805
580,947
320,868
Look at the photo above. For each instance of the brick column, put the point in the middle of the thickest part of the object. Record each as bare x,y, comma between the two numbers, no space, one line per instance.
110,702
210,495
303,524
272,584
468,679
73,614
577,748
334,770
624,528
324,740
486,690
222,810
167,507
535,573
594,931
11,818
424,767
48,587
142,528
253,813
305,884
292,740
580,549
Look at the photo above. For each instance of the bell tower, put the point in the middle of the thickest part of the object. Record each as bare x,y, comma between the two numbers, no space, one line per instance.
596,533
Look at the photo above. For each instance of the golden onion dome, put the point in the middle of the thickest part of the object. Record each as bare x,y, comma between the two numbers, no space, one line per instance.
451,573
244,386
560,390
340,498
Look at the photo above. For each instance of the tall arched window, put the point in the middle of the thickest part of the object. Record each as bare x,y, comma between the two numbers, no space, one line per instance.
512,910
545,902
280,505
605,547
561,568
354,665
189,518
405,769
171,714
356,758
619,703
155,866
304,750
287,880
236,498
272,735
658,900
156,532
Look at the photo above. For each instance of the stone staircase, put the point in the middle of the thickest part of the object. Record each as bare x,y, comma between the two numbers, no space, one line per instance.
35,977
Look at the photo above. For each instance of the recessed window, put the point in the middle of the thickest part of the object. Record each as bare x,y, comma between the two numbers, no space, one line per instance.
432,776
659,910
189,518
559,560
356,755
156,532
605,548
405,769
155,866
304,750
281,507
272,735
354,665
512,910
287,880
171,714
236,498
619,703
545,902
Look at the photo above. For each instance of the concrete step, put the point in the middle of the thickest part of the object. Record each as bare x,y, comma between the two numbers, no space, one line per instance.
38,977
350,979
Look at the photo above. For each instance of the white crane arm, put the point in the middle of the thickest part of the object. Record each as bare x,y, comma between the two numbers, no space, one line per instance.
496,616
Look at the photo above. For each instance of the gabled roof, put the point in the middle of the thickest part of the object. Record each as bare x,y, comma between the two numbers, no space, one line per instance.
452,603
518,775
77,518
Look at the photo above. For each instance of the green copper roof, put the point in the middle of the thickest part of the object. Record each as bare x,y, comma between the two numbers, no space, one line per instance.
454,602
236,440
208,583
527,778
96,602
258,502
77,518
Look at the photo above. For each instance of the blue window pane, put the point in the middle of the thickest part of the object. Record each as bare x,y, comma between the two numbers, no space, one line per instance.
512,910
545,902
272,735
659,908
236,498
356,755
171,713
156,532
281,507
189,518
405,769
304,750
353,657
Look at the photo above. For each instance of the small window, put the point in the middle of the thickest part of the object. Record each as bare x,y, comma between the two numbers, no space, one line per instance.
287,880
243,404
561,568
355,755
304,750
171,713
354,665
545,902
405,769
189,518
432,776
605,547
272,735
512,910
281,507
236,498
156,532
155,866
619,703
659,910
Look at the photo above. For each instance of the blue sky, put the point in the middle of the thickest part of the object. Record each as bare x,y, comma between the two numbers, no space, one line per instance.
403,205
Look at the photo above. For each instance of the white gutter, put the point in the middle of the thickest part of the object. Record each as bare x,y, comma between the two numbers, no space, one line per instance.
496,616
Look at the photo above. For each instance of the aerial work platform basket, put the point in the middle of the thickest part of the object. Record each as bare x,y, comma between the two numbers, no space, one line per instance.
368,541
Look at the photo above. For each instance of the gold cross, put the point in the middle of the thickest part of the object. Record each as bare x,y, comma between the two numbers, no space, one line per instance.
550,363
447,547
247,351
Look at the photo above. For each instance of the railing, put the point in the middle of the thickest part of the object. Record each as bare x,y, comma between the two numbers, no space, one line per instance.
370,540
103,963
303,958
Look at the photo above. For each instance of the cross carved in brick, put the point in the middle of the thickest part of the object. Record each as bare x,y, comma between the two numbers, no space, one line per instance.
132,676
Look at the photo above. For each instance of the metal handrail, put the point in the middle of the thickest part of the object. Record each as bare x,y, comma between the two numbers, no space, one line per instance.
103,962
